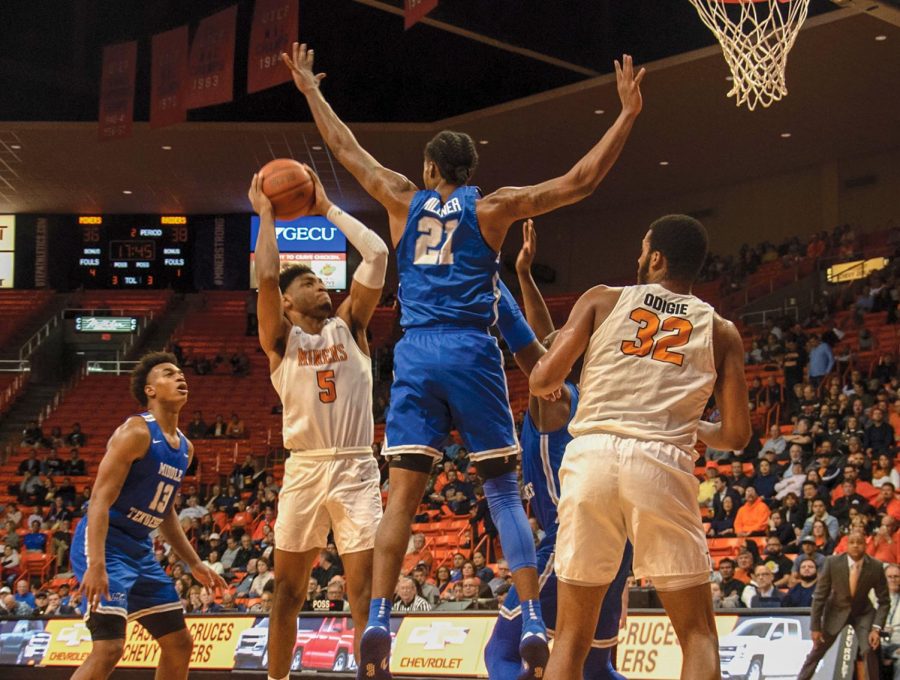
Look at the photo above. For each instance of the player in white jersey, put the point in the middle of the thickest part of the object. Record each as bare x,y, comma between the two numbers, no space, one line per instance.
320,367
655,354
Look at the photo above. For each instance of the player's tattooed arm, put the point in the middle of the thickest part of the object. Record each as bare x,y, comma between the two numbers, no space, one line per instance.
128,443
497,211
734,430
391,189
273,326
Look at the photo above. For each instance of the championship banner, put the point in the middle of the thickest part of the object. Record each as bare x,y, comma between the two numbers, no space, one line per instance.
415,10
442,646
211,65
168,77
276,24
117,90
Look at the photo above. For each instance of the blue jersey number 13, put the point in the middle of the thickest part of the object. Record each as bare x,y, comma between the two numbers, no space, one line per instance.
434,244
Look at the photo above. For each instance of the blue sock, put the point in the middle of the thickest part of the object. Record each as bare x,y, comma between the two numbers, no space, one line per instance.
380,613
532,619
599,665
505,504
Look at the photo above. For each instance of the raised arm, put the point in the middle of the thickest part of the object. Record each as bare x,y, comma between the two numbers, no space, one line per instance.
551,371
127,444
535,308
391,189
273,326
734,430
497,211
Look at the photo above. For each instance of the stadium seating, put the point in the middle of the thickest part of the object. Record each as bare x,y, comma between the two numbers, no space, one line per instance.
18,309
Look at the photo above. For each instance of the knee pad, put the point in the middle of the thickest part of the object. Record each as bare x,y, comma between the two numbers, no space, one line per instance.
505,504
106,626
163,623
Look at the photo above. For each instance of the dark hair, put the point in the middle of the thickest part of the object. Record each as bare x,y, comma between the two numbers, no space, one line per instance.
728,560
454,154
682,240
288,274
139,375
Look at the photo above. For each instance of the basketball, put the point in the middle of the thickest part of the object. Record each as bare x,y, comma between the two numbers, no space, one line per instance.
290,188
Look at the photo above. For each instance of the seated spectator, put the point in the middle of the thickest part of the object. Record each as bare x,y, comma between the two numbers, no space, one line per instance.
53,465
245,553
243,586
879,435
722,524
266,522
775,442
801,435
853,474
240,363
56,607
775,561
847,500
707,487
193,510
429,592
76,437
883,545
458,504
264,606
820,514
61,542
197,429
228,603
58,512
32,490
12,514
442,578
243,517
213,562
765,480
313,593
482,571
752,517
207,603
729,585
336,595
218,430
801,593
884,472
35,541
408,598
890,504
24,594
791,483
329,566
67,492
784,532
30,464
33,435
11,607
444,477
417,553
9,565
55,440
746,562
231,551
762,593
235,429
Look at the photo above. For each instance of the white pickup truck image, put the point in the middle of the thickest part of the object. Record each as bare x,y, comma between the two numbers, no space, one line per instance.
763,649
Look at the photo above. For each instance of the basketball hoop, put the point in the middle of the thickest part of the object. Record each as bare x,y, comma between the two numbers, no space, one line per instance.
756,36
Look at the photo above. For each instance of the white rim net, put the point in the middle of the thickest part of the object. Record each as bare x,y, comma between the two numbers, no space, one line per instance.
756,36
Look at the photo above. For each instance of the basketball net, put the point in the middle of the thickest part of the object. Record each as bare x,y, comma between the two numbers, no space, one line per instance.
756,36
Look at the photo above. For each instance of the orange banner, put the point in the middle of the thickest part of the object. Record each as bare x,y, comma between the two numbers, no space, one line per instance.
168,78
276,25
117,90
211,65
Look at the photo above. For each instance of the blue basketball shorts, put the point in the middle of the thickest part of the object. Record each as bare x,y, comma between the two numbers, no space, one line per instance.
138,586
446,377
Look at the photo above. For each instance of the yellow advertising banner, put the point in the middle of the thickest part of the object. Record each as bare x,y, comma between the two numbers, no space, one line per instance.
649,650
442,646
215,639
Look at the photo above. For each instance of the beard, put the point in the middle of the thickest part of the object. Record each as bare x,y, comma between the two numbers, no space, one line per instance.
643,271
807,580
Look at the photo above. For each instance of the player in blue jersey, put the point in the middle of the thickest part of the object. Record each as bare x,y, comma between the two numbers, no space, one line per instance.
112,554
447,368
544,438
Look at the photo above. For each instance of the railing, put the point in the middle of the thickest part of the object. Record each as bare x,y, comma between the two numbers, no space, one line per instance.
54,403
760,317
117,366
8,396
26,350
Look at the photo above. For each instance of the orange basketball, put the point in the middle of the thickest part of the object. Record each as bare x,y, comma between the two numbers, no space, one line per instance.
290,188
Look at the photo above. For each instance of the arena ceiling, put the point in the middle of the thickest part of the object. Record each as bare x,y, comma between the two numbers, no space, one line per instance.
535,117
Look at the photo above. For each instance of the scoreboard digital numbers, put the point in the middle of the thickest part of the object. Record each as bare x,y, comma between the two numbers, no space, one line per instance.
134,251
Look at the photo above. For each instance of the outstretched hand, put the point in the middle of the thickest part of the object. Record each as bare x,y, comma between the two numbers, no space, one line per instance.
323,203
301,65
525,258
629,85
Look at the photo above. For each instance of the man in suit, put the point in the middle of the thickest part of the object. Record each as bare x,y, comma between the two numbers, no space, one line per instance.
842,598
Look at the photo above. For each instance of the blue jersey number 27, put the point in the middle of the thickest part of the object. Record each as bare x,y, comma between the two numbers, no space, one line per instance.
434,244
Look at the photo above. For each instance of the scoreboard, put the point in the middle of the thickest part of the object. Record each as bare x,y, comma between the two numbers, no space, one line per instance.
134,251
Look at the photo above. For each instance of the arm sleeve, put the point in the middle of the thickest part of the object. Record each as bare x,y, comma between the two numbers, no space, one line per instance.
370,245
511,322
